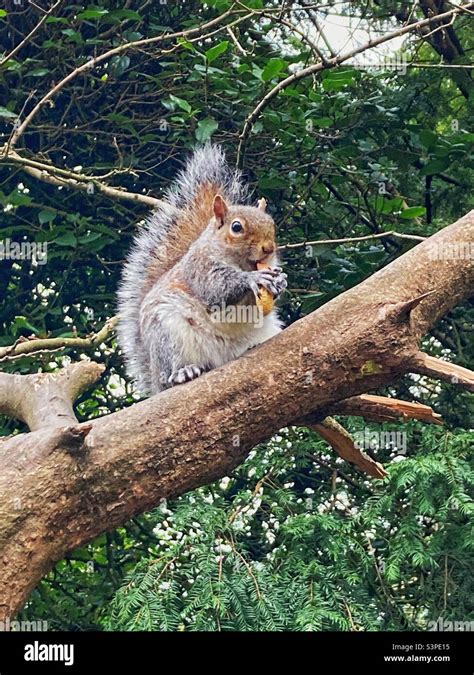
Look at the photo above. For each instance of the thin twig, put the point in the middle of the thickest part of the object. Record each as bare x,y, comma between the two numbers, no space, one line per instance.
31,347
236,42
347,240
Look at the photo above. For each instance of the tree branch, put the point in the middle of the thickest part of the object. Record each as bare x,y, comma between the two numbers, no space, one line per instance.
193,434
342,442
33,346
349,240
54,175
442,370
44,400
383,409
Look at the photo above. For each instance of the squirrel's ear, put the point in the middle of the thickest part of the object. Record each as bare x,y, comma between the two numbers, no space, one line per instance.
262,204
220,209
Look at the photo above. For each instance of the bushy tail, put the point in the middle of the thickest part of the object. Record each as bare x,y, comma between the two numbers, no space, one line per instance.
166,236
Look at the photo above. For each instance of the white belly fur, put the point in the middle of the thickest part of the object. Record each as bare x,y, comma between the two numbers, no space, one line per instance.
200,340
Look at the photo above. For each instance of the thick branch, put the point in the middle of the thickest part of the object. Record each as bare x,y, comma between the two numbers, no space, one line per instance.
446,43
375,408
44,400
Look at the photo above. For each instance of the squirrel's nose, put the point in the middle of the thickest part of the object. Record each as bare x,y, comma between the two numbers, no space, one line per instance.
268,247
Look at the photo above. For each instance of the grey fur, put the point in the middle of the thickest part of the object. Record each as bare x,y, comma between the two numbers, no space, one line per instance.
151,342
207,165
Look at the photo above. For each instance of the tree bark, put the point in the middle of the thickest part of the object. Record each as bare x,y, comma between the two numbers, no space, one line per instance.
61,487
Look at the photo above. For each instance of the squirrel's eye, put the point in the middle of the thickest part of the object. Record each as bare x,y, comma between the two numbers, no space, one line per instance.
237,226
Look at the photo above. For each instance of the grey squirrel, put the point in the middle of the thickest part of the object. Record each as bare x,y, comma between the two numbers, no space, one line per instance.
195,260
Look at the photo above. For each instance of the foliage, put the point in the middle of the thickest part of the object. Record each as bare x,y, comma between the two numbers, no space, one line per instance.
349,152
286,543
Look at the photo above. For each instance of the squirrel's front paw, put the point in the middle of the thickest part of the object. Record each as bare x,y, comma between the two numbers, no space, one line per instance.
185,374
280,281
274,280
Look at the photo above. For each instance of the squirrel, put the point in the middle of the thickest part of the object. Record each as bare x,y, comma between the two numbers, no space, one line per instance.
191,285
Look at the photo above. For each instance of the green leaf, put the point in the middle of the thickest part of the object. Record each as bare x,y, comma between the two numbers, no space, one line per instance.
92,13
119,64
205,129
22,322
428,138
272,183
336,80
436,166
388,205
273,67
38,72
18,198
3,13
186,44
46,216
67,239
4,112
184,105
220,5
89,237
73,35
13,65
322,122
413,212
214,52
120,14
57,19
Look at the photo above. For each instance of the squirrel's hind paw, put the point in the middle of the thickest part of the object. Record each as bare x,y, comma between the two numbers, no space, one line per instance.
186,374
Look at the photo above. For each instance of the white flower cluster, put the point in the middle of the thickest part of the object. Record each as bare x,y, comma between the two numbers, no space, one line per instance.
242,521
270,527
